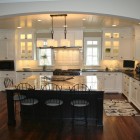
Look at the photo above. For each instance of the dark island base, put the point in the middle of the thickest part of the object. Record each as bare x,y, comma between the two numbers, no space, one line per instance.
42,112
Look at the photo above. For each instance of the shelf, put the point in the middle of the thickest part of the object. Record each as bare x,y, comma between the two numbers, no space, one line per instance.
73,47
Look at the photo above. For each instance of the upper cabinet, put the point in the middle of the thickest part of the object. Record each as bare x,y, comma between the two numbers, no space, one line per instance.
7,45
111,44
118,44
137,43
126,44
26,44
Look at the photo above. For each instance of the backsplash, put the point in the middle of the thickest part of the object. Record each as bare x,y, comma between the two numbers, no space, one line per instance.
70,59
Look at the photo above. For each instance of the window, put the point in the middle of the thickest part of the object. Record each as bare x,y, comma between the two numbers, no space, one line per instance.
45,54
92,47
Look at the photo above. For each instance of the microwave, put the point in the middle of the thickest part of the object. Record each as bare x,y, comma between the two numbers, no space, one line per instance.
7,65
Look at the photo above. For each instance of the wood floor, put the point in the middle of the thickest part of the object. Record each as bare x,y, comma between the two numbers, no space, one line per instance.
115,128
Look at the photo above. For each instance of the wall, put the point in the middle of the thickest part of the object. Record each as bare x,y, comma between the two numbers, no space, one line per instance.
107,7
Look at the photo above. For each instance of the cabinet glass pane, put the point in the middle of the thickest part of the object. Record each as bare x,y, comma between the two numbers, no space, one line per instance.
116,35
107,35
29,36
115,52
22,36
115,43
108,43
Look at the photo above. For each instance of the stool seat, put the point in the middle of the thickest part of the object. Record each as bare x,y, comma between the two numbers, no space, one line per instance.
79,103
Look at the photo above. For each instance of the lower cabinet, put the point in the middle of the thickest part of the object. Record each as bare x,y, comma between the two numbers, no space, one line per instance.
3,75
113,82
110,81
22,75
126,86
135,92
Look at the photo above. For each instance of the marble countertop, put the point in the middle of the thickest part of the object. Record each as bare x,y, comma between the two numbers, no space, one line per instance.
132,74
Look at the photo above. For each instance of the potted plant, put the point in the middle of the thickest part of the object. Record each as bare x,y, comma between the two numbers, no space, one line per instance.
44,57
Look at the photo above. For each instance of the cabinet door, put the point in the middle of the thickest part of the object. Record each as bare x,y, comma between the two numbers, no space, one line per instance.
109,82
7,45
137,49
4,74
126,49
22,75
111,44
138,95
133,93
126,85
3,49
26,45
118,83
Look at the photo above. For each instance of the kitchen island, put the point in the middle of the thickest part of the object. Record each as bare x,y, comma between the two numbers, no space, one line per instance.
95,111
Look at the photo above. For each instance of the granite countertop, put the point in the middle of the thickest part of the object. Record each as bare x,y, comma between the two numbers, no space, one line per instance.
132,74
36,70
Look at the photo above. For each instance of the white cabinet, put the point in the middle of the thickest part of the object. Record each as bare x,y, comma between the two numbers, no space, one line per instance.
7,45
4,74
137,43
22,75
42,73
113,82
137,49
126,50
111,44
109,82
126,85
138,95
93,73
118,44
135,92
26,45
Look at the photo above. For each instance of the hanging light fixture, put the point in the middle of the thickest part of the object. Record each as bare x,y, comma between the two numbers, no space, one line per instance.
65,42
52,42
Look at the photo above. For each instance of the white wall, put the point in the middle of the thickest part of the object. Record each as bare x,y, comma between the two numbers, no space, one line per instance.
124,8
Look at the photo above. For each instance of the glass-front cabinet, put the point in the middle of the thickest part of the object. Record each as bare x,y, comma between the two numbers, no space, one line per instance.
111,44
26,45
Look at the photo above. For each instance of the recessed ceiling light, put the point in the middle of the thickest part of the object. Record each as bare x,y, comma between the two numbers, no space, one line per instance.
19,27
83,19
39,20
114,25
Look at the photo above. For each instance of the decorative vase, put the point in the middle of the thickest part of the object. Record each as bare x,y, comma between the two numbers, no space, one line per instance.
44,68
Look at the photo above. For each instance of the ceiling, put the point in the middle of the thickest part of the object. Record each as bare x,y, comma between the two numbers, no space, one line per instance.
73,21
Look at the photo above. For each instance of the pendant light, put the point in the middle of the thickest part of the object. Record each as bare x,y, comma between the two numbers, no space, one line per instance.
52,42
65,42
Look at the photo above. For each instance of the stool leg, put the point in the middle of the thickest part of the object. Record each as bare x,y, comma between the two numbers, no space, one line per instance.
85,114
73,114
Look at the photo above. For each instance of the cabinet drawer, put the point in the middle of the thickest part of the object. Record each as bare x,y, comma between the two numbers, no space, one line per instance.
7,74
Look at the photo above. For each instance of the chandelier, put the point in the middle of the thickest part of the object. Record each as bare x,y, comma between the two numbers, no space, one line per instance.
64,42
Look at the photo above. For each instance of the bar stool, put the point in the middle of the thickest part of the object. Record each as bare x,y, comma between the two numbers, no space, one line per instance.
9,83
54,101
80,101
25,89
